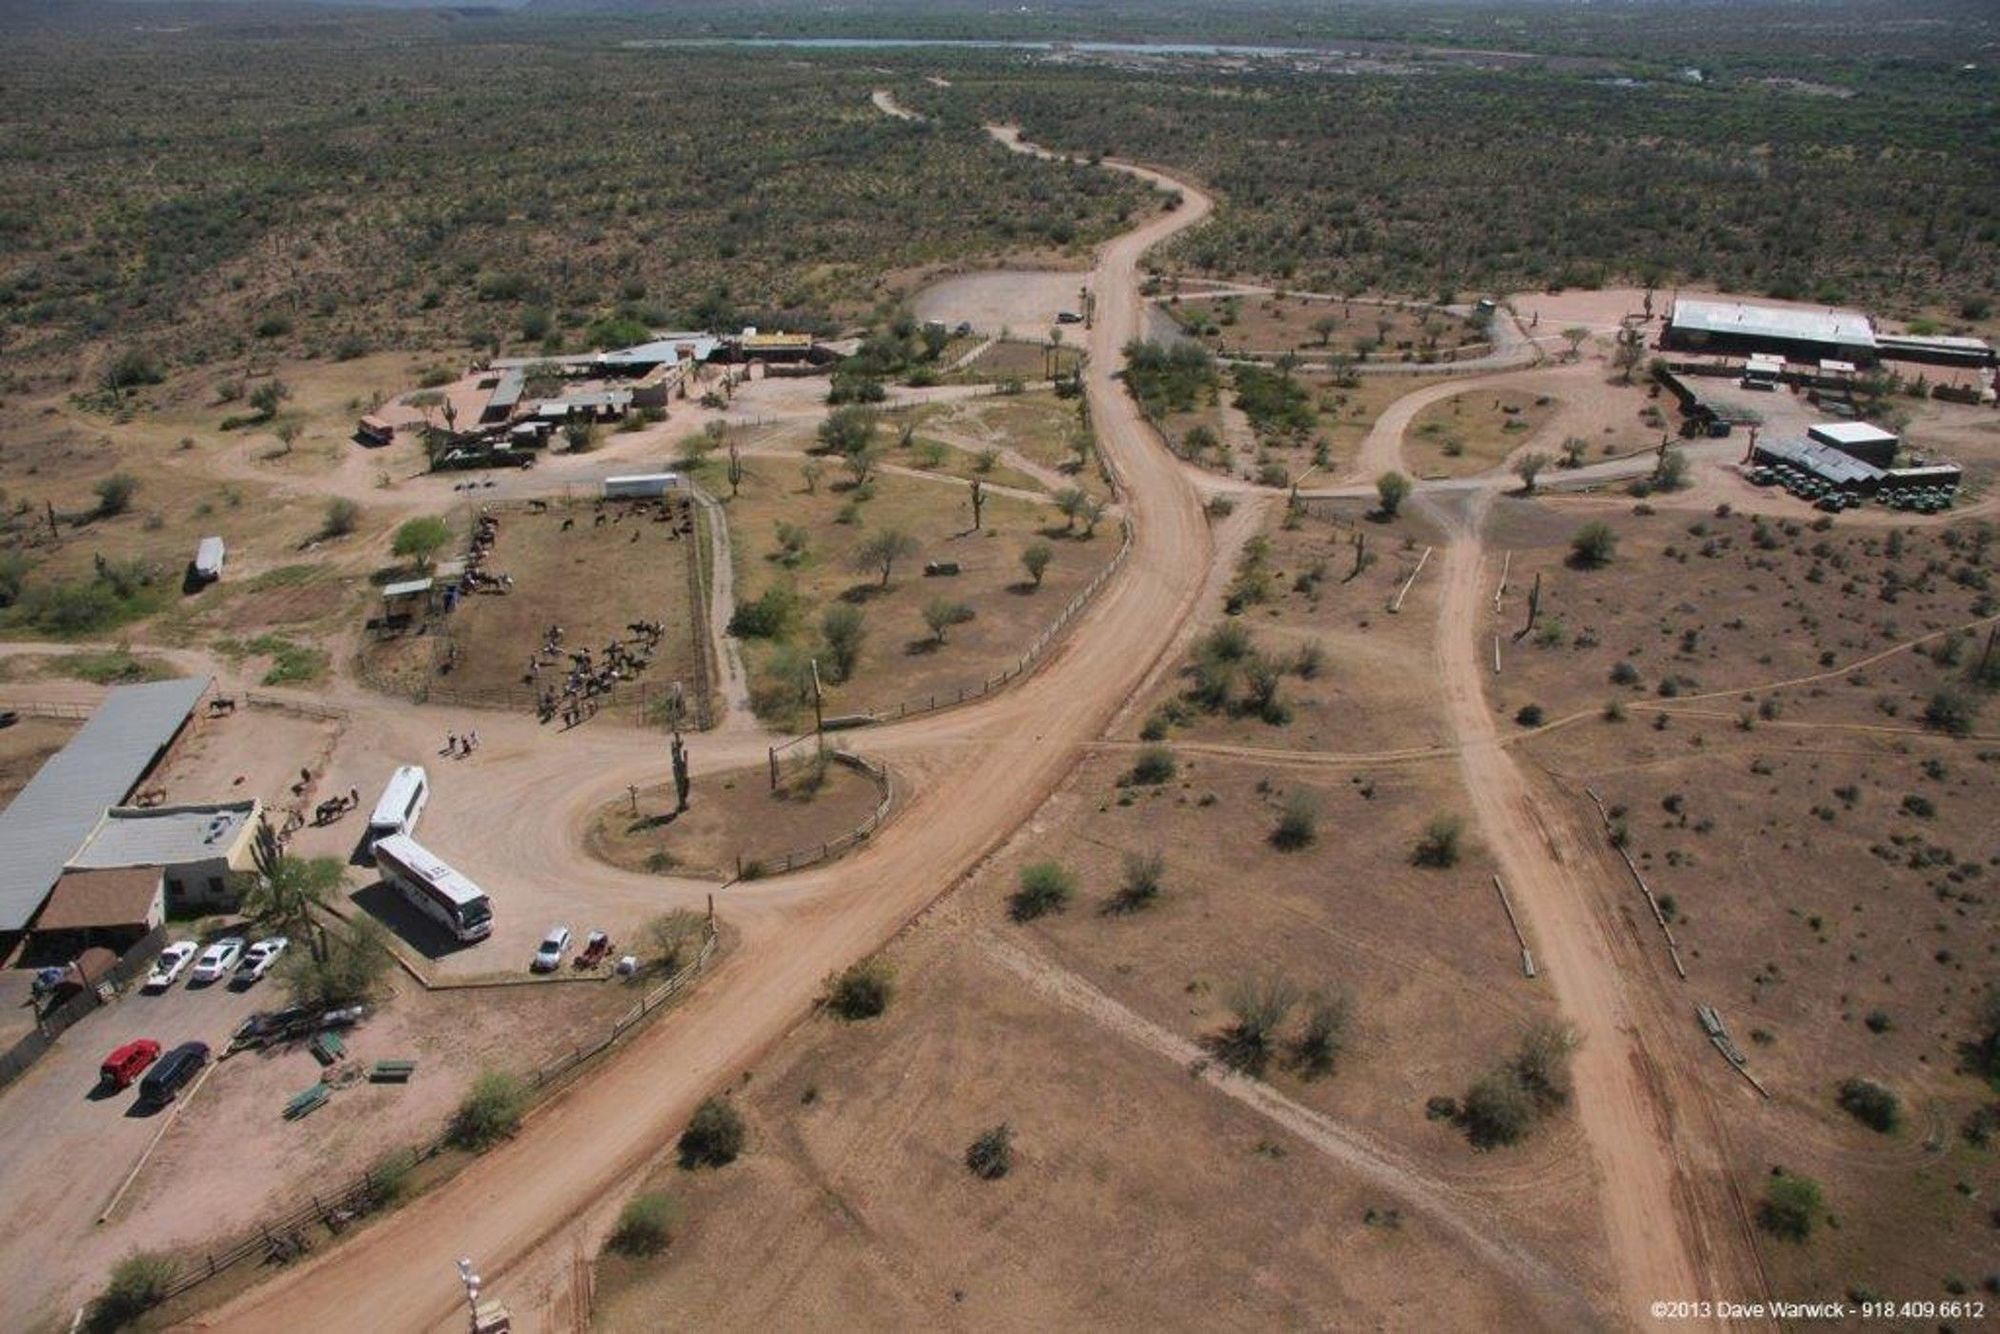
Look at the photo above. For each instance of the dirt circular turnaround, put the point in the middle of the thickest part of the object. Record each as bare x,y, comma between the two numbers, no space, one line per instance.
735,824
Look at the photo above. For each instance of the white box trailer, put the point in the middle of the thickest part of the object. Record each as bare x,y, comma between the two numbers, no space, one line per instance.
208,557
641,486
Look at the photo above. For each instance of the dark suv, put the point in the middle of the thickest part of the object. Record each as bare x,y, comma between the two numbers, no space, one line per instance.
172,1073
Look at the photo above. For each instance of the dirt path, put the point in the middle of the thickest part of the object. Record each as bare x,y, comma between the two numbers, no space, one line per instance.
1664,1241
732,682
1356,1151
975,774
886,103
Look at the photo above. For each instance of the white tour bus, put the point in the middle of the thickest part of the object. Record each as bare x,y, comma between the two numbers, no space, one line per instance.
435,889
402,802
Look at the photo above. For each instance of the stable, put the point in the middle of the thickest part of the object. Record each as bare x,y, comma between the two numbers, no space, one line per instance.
1737,328
1861,440
125,740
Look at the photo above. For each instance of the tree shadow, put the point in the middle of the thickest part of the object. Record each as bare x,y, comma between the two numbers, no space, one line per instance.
862,594
920,647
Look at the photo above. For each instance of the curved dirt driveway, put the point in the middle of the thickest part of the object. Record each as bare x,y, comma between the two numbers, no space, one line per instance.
524,1210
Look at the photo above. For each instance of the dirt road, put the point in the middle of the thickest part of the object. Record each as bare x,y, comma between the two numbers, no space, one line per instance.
977,773
1556,869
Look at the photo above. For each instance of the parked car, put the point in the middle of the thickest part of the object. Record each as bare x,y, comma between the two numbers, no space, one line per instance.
126,1064
258,959
172,1073
554,945
217,959
1068,317
168,966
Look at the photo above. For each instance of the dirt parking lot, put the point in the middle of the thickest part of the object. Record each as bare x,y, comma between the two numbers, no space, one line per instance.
1018,303
86,1145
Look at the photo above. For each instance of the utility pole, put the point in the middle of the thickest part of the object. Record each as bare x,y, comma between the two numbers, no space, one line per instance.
819,716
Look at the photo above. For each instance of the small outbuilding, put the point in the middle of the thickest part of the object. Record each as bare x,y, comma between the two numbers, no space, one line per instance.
198,851
1861,440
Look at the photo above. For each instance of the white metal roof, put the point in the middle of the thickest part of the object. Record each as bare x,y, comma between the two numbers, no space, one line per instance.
1850,433
163,835
103,762
208,555
1846,328
408,588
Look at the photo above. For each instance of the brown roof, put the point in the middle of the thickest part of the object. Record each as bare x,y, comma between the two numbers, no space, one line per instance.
100,898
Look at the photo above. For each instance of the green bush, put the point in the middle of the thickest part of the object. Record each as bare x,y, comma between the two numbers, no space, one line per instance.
138,1283
1791,1207
342,515
862,991
490,1113
714,1135
1154,765
769,617
114,494
1497,1110
1869,1103
1044,887
1298,822
1440,845
646,1224
1593,545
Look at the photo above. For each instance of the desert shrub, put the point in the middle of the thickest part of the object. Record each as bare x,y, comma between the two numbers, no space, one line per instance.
1044,887
714,1136
1139,884
137,1284
1869,1103
1391,490
646,1224
844,627
991,1156
770,616
1155,765
114,494
1258,1007
1593,545
490,1112
1791,1207
675,937
1529,715
389,1178
342,515
862,991
1298,822
1542,1062
1624,674
1951,711
1035,558
1323,1036
1496,1111
1440,844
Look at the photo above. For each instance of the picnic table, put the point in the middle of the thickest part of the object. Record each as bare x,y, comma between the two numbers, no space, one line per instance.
392,1072
327,1048
307,1102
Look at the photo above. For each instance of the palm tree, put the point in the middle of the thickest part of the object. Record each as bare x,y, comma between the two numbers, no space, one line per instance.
286,889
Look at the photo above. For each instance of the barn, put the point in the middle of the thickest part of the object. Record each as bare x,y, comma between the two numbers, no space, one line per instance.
1738,328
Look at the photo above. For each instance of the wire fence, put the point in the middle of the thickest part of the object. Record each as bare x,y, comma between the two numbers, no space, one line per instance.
283,1237
1035,651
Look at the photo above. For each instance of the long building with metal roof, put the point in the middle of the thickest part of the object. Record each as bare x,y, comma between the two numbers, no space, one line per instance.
1740,328
100,767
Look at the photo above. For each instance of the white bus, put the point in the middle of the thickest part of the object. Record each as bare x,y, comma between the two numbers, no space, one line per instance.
435,889
401,804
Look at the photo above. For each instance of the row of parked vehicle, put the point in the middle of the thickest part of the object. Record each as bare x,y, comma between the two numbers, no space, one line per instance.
549,954
250,962
165,1076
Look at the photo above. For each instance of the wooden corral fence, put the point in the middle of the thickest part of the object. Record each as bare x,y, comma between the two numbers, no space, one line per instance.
284,1237
819,852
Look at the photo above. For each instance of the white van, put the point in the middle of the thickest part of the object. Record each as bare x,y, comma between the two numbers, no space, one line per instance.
402,803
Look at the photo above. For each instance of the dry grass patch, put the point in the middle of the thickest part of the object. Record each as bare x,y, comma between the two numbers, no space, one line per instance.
1474,431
